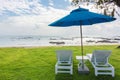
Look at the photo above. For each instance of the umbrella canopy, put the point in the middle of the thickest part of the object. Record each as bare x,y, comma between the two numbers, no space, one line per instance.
81,17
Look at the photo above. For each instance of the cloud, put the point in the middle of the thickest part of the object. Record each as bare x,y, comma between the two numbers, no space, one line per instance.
32,24
104,29
51,3
38,24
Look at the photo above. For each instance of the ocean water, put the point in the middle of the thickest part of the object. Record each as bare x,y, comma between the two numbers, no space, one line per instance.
14,41
33,40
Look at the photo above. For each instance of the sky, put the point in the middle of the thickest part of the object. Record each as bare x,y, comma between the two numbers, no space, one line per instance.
32,17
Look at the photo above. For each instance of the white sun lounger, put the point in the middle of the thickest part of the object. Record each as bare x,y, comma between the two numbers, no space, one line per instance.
64,62
99,60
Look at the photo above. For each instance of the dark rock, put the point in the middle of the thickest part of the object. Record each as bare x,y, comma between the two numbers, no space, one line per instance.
57,43
118,47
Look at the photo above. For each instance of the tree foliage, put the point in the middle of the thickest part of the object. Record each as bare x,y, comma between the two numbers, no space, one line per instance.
117,2
76,2
100,5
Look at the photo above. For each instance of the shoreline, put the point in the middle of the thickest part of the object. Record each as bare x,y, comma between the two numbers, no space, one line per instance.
36,46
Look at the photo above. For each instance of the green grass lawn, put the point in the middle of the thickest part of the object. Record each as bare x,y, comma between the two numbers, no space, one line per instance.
38,63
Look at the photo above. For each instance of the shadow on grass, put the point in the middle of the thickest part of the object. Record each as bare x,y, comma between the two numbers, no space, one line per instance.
64,77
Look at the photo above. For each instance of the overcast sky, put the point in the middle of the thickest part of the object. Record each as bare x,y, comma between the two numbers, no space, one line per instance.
32,18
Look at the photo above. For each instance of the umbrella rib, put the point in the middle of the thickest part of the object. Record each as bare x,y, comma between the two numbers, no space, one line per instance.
90,21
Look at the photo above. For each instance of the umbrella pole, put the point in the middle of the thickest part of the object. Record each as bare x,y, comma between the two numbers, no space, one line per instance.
81,46
83,69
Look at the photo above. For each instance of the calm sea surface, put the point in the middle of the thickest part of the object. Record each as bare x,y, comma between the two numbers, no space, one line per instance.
18,41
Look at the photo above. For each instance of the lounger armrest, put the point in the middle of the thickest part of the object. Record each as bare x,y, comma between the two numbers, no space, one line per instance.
89,55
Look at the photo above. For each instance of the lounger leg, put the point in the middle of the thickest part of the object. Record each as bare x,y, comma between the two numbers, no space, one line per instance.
96,73
55,69
113,74
71,71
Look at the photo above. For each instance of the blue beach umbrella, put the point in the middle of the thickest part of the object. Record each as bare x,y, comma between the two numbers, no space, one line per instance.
81,17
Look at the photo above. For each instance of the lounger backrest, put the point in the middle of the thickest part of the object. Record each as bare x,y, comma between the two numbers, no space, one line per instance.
92,58
101,56
64,55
